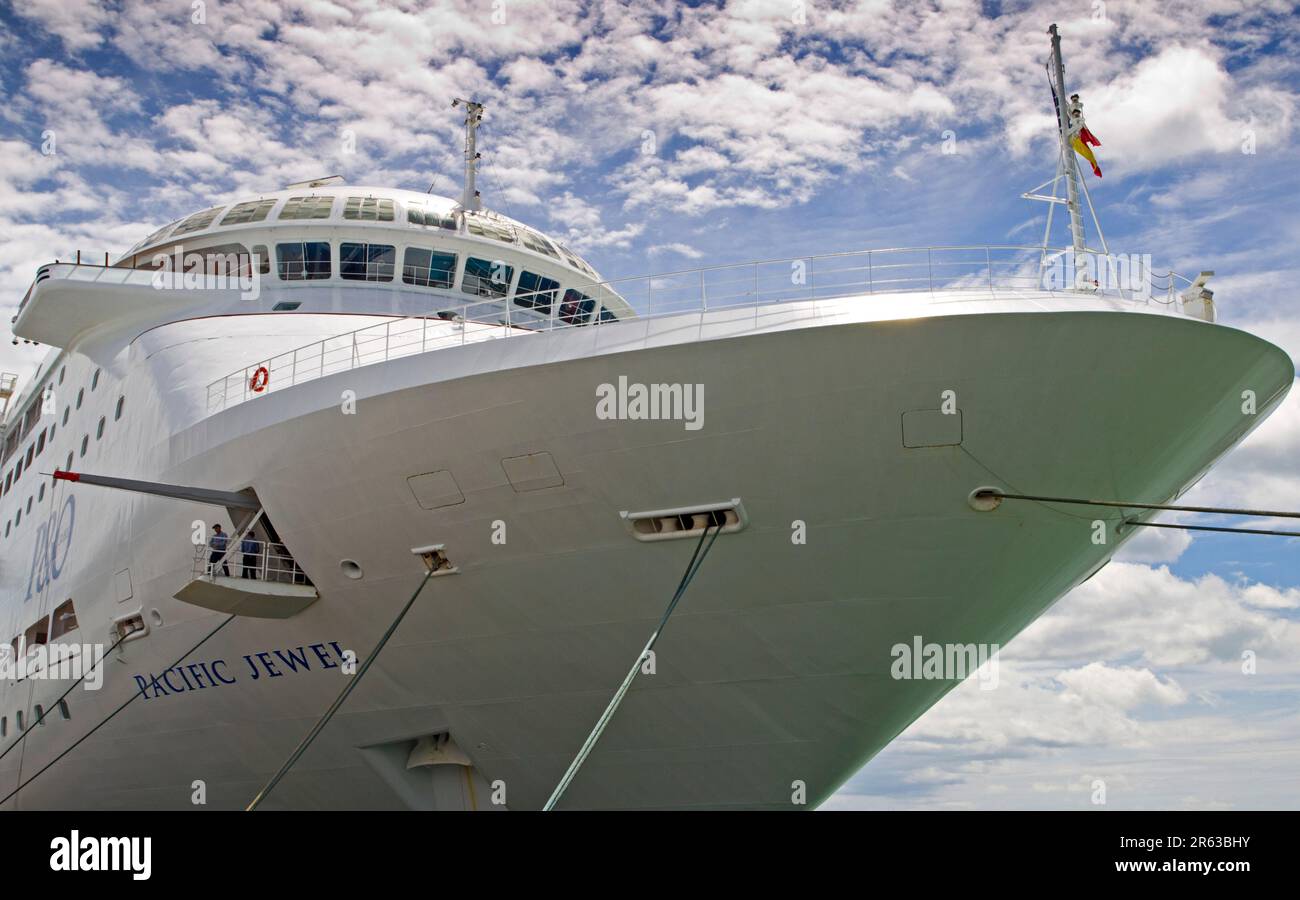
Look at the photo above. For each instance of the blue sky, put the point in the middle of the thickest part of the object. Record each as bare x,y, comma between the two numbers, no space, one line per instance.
662,136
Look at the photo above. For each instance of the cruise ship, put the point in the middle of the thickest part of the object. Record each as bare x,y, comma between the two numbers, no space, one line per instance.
367,387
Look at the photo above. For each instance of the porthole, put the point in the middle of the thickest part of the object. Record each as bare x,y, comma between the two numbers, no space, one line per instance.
85,442
8,525
94,381
29,504
67,410
62,372
63,709
40,715
121,401
81,395
18,517
68,466
99,432
40,494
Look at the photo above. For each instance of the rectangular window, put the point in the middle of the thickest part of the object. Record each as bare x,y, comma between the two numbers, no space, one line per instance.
366,262
422,215
307,208
428,268
486,277
484,228
534,241
306,261
368,209
607,315
63,620
576,308
536,292
263,259
245,213
197,222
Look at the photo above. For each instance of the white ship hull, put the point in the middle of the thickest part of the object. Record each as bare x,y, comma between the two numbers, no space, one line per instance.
775,669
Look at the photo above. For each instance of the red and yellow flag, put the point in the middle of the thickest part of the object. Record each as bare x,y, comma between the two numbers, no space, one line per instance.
1085,151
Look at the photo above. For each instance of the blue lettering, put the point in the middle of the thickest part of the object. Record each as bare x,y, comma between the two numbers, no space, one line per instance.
219,677
319,650
143,684
265,659
252,668
294,660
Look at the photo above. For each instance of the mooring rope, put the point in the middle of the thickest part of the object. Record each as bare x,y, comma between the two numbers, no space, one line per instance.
697,560
338,701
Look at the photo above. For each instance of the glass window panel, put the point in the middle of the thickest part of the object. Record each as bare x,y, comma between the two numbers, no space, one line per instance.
576,308
366,262
307,208
486,277
198,221
536,292
368,209
428,268
303,261
244,213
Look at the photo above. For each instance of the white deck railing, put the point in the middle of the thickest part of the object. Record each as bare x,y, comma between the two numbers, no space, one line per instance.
739,286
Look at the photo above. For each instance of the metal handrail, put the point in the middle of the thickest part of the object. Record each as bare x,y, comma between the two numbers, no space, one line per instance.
272,563
700,289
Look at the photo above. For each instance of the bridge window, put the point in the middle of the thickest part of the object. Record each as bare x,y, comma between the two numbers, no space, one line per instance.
197,222
428,268
305,261
263,259
368,209
307,208
576,308
486,277
536,292
422,215
37,634
494,230
367,262
245,213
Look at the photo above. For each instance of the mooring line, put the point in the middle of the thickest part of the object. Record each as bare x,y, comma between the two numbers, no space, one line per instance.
697,560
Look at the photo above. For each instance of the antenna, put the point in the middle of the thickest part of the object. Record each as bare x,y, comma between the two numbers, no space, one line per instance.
473,117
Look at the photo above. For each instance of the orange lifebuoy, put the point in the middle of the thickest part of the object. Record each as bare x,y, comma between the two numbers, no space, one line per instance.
261,378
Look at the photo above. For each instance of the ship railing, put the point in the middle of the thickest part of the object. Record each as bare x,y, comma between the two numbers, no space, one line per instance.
260,561
744,286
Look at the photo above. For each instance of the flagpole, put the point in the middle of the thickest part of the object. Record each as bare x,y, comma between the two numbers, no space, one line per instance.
1067,155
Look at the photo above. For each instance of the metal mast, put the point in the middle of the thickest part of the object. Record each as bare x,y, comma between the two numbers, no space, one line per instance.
473,116
1067,152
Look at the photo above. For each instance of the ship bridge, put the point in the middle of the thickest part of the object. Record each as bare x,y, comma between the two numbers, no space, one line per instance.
400,252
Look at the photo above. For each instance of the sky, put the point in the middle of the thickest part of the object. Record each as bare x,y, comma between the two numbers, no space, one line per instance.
658,136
